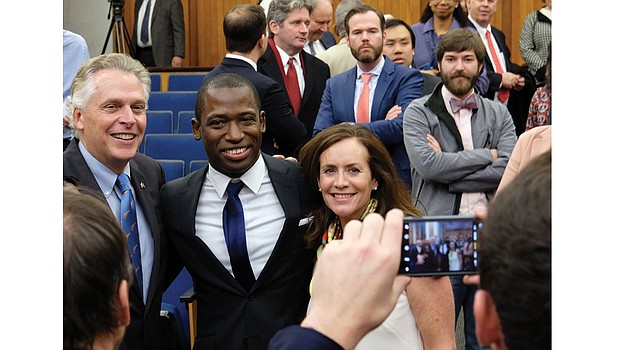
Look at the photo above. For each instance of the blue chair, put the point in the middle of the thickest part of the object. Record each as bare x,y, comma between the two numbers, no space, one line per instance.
158,122
173,307
195,165
185,82
184,122
174,101
155,82
173,168
174,146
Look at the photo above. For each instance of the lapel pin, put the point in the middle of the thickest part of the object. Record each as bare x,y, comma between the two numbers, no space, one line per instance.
142,185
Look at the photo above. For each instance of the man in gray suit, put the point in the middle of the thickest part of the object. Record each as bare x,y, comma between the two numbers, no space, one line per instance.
159,33
246,293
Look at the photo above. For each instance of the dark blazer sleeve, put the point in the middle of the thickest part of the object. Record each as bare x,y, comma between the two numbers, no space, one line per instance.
301,338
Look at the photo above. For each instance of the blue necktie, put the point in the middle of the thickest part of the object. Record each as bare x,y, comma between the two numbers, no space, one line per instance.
234,233
144,31
129,224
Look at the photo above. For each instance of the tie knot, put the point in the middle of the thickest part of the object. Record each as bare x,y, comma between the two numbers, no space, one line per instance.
366,77
468,103
123,180
291,61
234,188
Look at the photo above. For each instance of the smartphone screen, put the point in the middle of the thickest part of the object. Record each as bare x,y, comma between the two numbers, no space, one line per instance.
439,245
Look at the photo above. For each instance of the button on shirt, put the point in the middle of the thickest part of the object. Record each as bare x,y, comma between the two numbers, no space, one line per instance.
462,118
106,179
359,85
263,214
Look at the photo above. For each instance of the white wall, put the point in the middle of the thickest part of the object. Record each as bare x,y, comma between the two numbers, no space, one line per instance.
89,18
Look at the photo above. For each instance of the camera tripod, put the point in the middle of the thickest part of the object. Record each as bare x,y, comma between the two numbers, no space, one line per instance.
122,40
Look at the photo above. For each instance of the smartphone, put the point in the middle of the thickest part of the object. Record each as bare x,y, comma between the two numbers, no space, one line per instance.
440,245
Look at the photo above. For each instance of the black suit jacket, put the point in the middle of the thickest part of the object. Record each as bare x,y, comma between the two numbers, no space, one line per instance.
146,328
316,73
282,124
519,101
229,317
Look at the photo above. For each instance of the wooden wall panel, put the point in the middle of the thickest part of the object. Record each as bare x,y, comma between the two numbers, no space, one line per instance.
205,46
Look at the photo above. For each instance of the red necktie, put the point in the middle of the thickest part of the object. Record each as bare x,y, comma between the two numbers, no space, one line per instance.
363,103
292,85
502,93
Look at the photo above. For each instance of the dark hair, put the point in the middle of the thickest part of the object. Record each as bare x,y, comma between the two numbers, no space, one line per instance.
95,261
363,9
391,191
222,81
458,14
244,25
459,40
515,256
399,22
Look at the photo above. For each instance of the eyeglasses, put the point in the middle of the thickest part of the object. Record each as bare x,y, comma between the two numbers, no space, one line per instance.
435,2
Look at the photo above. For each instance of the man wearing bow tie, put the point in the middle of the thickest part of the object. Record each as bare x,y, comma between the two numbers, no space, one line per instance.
458,144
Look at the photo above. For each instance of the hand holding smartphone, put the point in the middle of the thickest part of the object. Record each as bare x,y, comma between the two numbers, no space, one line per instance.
440,245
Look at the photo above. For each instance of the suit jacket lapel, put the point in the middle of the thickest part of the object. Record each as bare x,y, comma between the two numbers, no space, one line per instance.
309,78
137,181
349,95
385,80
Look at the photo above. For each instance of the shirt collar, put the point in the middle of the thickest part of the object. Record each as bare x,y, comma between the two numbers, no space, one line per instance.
244,59
481,30
252,178
284,56
106,178
376,69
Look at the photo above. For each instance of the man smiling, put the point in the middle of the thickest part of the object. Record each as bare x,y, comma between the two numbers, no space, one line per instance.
245,293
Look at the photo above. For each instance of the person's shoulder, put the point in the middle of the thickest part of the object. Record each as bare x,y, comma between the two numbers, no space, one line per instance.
317,62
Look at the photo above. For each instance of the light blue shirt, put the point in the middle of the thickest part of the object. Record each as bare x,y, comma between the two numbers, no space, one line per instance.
106,179
74,53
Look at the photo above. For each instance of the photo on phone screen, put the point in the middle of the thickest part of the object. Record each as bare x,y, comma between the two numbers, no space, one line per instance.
439,245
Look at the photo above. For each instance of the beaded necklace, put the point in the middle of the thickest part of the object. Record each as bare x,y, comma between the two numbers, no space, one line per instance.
334,230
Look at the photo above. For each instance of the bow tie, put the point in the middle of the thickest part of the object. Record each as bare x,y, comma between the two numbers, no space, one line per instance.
468,103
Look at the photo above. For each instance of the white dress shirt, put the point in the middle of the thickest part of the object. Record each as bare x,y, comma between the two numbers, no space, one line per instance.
297,63
262,211
359,85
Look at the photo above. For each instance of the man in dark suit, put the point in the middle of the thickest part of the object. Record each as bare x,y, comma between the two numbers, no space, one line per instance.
391,88
108,104
159,34
288,22
246,41
319,36
244,294
509,83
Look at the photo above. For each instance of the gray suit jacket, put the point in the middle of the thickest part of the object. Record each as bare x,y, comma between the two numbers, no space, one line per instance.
167,30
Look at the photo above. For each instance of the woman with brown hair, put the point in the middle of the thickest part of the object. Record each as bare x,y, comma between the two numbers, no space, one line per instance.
355,176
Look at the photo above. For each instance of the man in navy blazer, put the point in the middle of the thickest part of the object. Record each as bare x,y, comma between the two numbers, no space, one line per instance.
392,87
520,83
246,40
108,104
319,36
288,40
275,197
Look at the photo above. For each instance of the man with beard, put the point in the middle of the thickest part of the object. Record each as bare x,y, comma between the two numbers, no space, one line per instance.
458,143
374,92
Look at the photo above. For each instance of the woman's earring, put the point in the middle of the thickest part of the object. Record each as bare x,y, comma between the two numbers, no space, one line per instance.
319,189
374,189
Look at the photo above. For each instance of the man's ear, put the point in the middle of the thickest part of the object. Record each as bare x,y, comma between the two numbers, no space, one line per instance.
122,301
488,325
